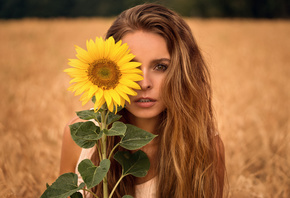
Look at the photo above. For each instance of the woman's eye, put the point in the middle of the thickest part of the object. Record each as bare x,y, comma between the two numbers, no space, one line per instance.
161,67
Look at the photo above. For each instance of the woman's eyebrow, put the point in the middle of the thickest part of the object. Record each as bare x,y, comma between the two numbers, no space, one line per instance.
155,60
161,60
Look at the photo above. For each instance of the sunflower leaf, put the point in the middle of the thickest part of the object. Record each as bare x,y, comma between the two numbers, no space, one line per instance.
135,138
113,118
79,130
136,164
117,129
64,186
88,131
91,174
87,114
94,99
127,196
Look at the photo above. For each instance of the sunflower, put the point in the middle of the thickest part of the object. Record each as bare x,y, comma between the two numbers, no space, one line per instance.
105,71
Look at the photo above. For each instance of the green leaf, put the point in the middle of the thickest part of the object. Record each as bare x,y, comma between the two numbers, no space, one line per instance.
94,99
117,129
77,195
127,196
112,118
135,138
87,114
91,174
64,186
89,131
80,140
136,164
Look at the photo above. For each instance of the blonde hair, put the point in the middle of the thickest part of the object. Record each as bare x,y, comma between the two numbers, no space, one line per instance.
188,153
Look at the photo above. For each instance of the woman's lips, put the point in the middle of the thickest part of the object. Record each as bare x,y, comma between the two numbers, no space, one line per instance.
145,102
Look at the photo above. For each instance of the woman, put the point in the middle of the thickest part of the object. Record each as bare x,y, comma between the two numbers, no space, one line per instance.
187,158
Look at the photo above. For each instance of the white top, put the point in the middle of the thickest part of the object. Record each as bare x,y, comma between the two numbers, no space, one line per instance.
145,190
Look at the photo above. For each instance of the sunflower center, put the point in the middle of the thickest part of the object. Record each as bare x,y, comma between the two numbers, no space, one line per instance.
104,73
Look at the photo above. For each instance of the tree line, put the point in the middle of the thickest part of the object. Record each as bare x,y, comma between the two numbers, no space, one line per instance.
107,8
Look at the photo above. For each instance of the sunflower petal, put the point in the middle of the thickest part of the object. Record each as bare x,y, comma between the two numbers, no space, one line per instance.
130,65
116,97
129,83
108,98
92,49
127,90
122,94
134,77
83,55
127,58
77,64
111,106
132,71
99,103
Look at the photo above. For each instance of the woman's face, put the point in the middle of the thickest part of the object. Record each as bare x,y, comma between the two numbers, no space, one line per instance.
151,50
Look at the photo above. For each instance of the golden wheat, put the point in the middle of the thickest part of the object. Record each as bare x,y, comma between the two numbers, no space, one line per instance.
249,60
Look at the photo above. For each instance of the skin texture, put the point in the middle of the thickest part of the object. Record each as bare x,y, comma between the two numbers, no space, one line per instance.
150,49
70,151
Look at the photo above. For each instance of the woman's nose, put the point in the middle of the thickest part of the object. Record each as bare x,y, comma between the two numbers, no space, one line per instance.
146,83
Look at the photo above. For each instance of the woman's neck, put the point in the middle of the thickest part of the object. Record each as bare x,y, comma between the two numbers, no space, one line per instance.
151,125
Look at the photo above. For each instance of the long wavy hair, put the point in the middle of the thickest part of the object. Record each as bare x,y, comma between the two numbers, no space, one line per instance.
189,157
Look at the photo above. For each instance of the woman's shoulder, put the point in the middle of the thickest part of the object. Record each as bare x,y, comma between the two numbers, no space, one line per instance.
70,151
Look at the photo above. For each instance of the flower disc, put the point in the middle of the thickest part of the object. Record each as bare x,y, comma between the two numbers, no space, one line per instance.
104,73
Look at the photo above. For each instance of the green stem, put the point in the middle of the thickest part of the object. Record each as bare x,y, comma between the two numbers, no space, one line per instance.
91,192
113,150
99,151
106,118
116,186
104,151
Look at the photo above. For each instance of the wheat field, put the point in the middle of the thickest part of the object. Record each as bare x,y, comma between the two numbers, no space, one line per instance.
249,62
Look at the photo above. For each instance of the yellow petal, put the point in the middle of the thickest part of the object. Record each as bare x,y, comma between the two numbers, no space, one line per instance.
100,46
77,64
78,79
134,77
108,98
83,88
111,106
123,95
132,71
127,90
129,83
99,94
116,97
123,102
99,103
92,49
130,65
119,52
84,98
108,45
125,59
83,55
89,94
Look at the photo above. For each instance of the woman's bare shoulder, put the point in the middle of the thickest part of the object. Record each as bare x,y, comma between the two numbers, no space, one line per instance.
70,151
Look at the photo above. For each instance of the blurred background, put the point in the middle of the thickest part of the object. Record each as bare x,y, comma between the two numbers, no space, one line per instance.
189,8
246,44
